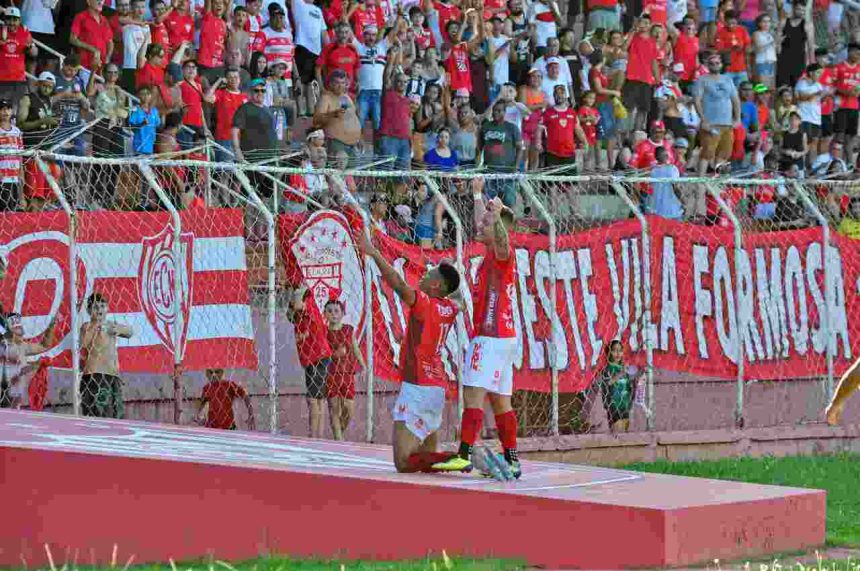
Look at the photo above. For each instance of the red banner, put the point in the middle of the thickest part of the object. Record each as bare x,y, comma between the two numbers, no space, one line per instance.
600,289
128,258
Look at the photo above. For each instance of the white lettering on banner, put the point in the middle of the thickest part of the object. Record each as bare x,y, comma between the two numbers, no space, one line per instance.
612,267
797,314
537,351
670,314
565,270
723,288
589,302
636,324
543,285
704,307
814,265
838,312
771,304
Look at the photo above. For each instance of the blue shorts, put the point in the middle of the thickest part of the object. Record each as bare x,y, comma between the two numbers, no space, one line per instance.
424,232
767,69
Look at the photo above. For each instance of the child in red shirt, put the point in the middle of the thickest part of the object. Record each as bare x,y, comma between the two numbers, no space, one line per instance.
218,397
588,120
345,361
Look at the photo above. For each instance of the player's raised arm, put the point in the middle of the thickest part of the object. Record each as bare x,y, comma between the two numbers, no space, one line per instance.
389,274
502,217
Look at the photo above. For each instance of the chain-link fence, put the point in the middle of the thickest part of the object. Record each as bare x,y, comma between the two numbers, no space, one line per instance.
235,296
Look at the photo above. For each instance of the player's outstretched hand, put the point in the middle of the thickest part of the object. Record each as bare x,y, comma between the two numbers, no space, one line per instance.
478,186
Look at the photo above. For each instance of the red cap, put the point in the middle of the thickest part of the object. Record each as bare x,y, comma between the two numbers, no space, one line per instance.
658,126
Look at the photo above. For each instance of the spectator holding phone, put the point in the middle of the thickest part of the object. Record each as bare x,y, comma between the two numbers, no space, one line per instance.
336,115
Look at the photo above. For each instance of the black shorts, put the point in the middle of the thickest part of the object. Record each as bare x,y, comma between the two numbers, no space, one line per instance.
846,122
306,62
812,131
315,378
826,126
637,95
9,194
101,395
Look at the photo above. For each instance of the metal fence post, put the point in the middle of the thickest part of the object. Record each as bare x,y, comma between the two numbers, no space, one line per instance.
271,305
177,286
461,267
650,406
829,300
528,190
741,317
73,284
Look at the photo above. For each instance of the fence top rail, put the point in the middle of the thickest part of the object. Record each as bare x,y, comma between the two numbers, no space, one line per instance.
361,171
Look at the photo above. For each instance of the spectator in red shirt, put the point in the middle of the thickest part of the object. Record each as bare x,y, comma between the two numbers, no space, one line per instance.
226,101
643,69
561,125
179,24
395,129
217,400
733,43
213,38
93,36
314,352
847,83
341,55
15,43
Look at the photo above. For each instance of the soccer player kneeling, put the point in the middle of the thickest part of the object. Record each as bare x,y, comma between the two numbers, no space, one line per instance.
418,410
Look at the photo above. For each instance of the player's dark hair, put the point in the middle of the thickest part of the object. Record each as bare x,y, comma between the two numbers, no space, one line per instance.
450,276
94,299
336,302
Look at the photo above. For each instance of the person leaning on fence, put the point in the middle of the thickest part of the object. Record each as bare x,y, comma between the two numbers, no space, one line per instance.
101,386
254,136
617,386
16,372
314,352
216,404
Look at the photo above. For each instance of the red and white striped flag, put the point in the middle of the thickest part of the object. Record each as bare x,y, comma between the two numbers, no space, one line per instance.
128,258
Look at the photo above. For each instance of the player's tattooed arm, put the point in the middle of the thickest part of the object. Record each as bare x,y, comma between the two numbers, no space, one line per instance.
389,274
502,241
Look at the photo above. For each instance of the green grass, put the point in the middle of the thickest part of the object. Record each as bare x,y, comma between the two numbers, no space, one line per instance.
435,563
838,474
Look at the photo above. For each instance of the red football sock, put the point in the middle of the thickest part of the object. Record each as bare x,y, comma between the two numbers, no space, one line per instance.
506,424
473,420
423,461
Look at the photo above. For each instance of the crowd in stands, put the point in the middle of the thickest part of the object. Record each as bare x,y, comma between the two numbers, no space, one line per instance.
667,88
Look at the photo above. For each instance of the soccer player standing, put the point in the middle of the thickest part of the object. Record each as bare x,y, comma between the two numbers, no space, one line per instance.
418,410
488,368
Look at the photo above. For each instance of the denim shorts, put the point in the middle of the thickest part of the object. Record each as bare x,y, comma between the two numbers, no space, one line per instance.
424,232
767,69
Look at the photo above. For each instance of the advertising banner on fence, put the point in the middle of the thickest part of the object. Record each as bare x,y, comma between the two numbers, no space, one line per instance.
128,258
600,286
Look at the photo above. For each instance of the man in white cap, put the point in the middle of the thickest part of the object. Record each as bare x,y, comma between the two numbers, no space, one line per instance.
553,78
372,57
35,117
15,43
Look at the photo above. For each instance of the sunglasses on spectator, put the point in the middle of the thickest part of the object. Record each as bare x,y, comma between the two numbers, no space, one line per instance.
262,90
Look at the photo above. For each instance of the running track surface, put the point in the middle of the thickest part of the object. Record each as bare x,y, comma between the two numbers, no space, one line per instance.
161,491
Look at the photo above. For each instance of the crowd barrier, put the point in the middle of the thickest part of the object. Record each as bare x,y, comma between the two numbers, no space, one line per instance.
737,315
